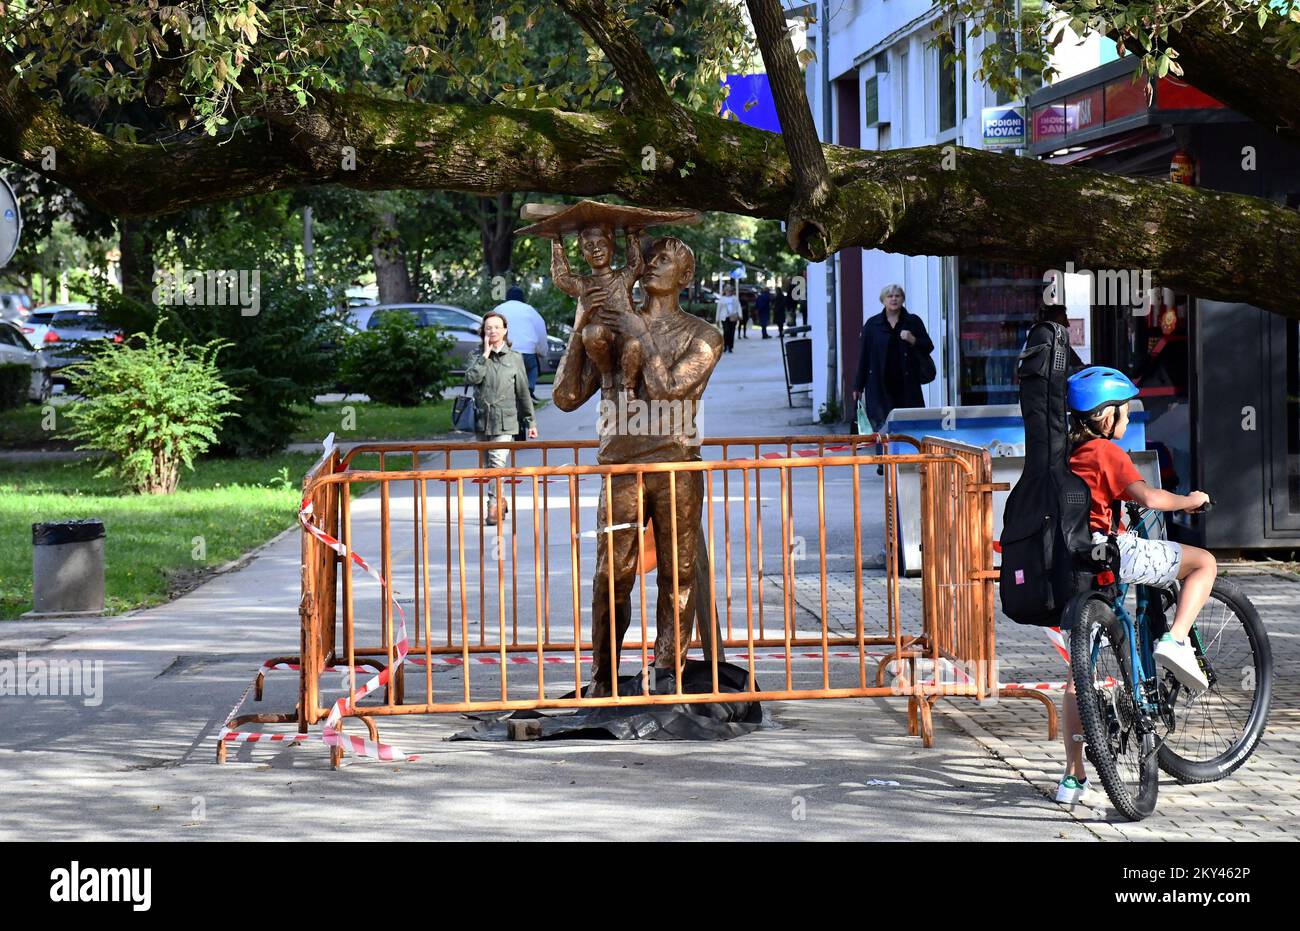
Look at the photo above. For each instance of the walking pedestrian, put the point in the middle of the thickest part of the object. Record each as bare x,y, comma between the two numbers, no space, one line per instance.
890,359
763,311
727,316
778,310
502,404
743,325
528,333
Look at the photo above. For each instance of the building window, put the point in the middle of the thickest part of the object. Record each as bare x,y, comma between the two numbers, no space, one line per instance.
901,120
947,80
1007,44
960,38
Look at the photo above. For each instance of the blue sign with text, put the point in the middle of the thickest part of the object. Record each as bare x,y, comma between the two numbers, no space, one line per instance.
1003,127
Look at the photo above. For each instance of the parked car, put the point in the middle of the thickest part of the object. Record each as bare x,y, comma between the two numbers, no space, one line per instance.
359,315
65,336
38,321
461,325
14,306
16,350
554,352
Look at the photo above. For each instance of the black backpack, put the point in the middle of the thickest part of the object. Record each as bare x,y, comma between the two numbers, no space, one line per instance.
1046,543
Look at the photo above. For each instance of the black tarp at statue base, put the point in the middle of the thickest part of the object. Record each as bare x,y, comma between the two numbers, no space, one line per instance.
698,721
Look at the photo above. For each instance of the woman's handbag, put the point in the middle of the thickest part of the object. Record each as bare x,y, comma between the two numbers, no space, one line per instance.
462,413
925,369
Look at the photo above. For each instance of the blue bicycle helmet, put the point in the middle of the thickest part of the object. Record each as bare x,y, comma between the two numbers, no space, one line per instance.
1097,386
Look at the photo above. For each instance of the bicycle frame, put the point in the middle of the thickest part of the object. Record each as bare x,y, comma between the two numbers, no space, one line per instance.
1138,635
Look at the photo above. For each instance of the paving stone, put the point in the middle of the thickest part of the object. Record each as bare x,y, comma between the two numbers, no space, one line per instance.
1015,729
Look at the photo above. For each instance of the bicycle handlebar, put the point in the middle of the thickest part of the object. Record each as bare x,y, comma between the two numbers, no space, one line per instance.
1136,510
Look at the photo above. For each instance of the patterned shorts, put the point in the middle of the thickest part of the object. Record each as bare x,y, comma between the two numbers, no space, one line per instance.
1145,562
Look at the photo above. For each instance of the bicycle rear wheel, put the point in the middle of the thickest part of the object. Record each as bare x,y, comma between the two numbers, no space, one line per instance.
1217,730
1121,742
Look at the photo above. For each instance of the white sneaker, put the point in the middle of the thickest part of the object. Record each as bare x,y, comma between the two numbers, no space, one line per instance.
1070,791
1179,658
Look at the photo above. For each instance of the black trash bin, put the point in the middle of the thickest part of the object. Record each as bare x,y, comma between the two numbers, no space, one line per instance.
68,567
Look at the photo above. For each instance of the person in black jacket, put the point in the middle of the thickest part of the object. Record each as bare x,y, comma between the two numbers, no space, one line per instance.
1056,313
763,310
888,358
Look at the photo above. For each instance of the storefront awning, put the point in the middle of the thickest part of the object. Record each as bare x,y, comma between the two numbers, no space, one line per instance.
1129,140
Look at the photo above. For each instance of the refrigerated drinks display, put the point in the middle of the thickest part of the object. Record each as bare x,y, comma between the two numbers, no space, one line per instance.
997,302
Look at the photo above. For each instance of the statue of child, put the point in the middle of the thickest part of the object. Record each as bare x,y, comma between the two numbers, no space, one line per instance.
604,289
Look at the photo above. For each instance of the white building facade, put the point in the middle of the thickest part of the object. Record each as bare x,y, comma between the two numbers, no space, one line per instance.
890,88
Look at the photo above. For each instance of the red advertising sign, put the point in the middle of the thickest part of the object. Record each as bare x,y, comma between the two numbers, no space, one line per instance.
1124,97
1083,111
1049,121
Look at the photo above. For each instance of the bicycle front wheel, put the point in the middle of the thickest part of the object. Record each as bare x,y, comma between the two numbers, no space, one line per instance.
1121,741
1215,731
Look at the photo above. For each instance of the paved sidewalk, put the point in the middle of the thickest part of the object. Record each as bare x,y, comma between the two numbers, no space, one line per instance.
1259,801
139,764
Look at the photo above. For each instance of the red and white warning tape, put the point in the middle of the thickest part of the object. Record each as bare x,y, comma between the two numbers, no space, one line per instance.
230,735
1058,640
330,732
361,746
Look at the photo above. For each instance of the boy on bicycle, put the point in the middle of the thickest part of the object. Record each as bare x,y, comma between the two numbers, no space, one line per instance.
1098,399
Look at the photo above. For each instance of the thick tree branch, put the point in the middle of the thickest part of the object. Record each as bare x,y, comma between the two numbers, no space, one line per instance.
1241,69
626,54
987,206
810,214
112,174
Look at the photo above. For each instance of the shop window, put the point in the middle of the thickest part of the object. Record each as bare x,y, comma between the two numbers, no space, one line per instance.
997,302
1152,348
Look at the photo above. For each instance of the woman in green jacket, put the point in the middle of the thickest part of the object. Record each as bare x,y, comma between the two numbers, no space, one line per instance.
501,398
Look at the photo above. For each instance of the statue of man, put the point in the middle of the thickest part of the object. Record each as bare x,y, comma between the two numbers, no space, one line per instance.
679,352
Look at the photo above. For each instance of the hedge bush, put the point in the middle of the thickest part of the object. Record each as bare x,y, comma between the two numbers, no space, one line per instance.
398,362
14,382
151,404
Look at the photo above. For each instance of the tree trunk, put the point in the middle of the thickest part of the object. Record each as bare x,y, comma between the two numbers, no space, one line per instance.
390,261
497,232
136,248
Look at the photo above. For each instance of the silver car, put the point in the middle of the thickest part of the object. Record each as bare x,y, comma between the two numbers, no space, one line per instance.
16,350
69,328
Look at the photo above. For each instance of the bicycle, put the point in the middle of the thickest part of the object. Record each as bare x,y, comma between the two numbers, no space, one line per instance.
1138,719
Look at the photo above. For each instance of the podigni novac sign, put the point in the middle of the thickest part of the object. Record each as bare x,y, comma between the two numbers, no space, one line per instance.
1003,127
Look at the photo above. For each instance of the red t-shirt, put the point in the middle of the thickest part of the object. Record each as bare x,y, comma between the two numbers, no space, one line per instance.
1107,470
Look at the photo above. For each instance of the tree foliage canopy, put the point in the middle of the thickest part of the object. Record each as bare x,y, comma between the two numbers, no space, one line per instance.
151,107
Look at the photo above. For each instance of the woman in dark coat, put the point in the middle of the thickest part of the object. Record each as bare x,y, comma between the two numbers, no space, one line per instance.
889,356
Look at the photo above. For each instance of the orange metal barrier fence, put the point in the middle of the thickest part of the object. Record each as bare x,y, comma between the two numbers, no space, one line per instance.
782,592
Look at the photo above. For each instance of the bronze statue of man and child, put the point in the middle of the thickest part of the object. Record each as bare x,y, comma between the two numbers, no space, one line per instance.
652,353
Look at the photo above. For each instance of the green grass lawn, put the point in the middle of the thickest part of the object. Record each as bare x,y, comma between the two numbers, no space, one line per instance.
22,428
150,550
363,420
